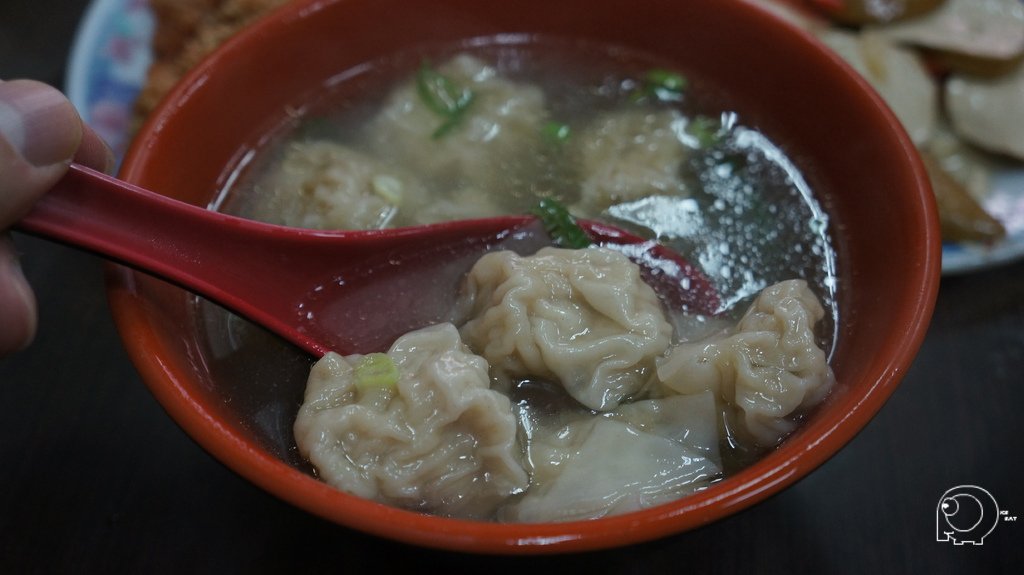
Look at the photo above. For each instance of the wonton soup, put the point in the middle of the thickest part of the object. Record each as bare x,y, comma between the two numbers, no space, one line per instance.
563,387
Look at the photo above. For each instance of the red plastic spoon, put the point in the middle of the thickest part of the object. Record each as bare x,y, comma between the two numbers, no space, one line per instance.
348,291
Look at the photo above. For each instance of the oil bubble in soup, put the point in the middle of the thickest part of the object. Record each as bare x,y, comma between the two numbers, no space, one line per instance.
491,126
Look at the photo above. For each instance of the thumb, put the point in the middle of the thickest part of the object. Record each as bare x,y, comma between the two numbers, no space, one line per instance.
40,132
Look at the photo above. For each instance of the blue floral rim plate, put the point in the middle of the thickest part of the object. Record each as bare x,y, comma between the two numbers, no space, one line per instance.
109,60
111,54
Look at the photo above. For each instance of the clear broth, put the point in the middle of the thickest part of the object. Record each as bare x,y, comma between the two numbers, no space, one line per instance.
750,219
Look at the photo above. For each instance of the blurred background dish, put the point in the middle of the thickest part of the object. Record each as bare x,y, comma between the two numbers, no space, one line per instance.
952,72
109,60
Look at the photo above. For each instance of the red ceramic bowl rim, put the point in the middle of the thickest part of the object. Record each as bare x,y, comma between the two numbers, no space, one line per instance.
791,461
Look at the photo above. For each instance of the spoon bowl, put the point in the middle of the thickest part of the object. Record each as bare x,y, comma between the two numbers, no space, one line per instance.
344,291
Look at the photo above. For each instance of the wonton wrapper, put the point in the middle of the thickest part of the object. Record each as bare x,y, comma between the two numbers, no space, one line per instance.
582,317
463,204
501,126
629,155
640,455
443,442
768,367
323,185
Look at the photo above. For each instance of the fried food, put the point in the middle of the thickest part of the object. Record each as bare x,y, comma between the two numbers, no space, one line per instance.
186,31
961,216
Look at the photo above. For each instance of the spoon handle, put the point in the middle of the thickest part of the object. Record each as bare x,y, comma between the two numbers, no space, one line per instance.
232,261
88,209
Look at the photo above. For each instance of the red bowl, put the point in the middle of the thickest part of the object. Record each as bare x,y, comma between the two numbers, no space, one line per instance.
852,150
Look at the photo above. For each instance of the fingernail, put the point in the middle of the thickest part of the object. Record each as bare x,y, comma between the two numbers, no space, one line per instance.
39,122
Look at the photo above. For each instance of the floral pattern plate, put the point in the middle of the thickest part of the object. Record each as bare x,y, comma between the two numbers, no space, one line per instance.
109,60
111,54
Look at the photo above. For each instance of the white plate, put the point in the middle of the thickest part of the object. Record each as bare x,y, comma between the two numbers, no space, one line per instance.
111,54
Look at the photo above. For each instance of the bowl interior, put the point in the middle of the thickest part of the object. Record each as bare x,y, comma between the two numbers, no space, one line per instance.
850,148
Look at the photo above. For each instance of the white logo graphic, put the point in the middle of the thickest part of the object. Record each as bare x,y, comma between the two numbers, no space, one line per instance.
966,514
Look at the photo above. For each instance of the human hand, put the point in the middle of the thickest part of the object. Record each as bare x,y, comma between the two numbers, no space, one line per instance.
40,135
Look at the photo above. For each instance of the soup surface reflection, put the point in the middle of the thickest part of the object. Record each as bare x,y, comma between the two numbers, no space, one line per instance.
491,127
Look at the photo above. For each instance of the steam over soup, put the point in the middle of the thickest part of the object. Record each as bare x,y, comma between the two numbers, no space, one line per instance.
562,386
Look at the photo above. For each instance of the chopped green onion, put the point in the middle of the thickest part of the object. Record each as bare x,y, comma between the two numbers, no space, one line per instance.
439,92
443,96
666,80
556,132
376,370
662,85
560,224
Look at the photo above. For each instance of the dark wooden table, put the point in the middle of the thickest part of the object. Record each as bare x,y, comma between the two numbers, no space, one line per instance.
95,478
